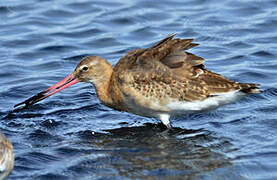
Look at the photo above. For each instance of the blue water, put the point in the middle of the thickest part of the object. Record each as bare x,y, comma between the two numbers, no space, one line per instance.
73,136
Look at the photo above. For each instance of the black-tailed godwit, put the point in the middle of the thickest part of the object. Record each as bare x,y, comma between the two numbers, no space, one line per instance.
162,81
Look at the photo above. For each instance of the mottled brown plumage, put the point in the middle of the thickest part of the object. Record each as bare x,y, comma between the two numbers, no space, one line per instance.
161,81
167,71
6,157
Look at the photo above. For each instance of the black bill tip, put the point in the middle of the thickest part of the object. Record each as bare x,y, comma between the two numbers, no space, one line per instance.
32,100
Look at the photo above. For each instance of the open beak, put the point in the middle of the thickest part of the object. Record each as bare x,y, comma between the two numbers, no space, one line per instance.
65,83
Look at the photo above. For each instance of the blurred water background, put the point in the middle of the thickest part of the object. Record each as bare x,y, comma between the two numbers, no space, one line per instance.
73,136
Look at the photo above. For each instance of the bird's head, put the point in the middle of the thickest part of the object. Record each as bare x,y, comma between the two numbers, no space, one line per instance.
93,69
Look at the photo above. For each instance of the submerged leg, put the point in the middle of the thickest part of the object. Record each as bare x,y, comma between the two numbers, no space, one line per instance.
165,120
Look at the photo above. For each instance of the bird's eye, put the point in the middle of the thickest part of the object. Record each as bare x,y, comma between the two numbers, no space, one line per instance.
85,68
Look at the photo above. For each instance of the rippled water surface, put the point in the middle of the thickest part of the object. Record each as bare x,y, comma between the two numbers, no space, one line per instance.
73,136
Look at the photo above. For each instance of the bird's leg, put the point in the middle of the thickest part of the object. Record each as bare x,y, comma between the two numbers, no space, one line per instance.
165,120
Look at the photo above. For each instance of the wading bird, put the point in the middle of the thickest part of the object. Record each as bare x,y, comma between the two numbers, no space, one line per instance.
6,157
162,81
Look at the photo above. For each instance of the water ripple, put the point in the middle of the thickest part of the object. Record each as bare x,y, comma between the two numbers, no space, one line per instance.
72,135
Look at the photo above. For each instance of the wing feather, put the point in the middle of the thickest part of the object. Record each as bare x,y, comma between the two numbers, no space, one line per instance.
166,70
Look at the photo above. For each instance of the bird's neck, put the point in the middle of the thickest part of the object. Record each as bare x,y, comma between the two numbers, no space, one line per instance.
102,85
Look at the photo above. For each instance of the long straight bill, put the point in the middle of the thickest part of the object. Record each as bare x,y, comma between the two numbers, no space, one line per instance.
65,83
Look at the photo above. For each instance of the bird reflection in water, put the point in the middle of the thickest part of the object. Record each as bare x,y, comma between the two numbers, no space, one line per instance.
148,152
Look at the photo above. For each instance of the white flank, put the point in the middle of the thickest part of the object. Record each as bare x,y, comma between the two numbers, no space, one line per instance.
179,108
184,107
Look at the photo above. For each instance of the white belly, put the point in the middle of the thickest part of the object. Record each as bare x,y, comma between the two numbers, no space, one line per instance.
152,108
